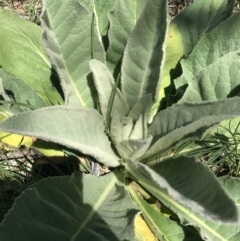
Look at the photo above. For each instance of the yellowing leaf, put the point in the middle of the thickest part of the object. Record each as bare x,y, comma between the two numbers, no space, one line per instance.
14,140
143,232
174,51
48,149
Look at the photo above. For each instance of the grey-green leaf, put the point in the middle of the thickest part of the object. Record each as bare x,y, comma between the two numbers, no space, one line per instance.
188,188
133,149
104,84
224,232
123,18
216,81
193,22
144,53
77,128
72,208
208,50
180,120
100,10
71,42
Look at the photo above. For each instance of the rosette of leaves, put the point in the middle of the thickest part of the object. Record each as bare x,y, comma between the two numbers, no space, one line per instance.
116,61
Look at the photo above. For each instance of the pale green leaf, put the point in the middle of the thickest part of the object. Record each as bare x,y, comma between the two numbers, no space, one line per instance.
72,208
208,50
142,106
217,81
133,149
123,18
224,232
116,128
22,55
144,53
104,84
77,128
139,114
188,188
100,10
179,121
139,130
71,42
127,127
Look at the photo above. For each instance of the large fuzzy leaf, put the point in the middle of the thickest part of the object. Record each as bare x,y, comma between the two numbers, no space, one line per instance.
77,128
123,18
180,120
144,53
217,81
22,55
188,188
104,84
71,41
72,208
224,232
208,50
187,28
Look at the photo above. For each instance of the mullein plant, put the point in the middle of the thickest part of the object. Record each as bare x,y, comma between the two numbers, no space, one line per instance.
125,104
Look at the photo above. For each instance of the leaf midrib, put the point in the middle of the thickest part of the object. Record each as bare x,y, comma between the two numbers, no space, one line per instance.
96,207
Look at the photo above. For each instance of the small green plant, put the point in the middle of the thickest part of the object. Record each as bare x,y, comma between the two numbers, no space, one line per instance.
126,103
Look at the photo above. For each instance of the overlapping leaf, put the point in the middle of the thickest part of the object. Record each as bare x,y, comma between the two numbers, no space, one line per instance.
78,210
22,96
104,84
144,53
208,50
187,28
71,41
188,188
99,9
163,227
123,18
178,121
77,128
22,55
217,81
224,232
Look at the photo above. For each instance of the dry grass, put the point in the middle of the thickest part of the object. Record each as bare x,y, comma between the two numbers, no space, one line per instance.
28,9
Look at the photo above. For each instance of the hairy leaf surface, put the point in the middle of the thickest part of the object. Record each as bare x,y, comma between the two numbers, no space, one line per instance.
208,50
187,28
216,81
78,210
180,120
224,232
71,42
77,128
144,53
188,188
99,9
104,84
123,18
